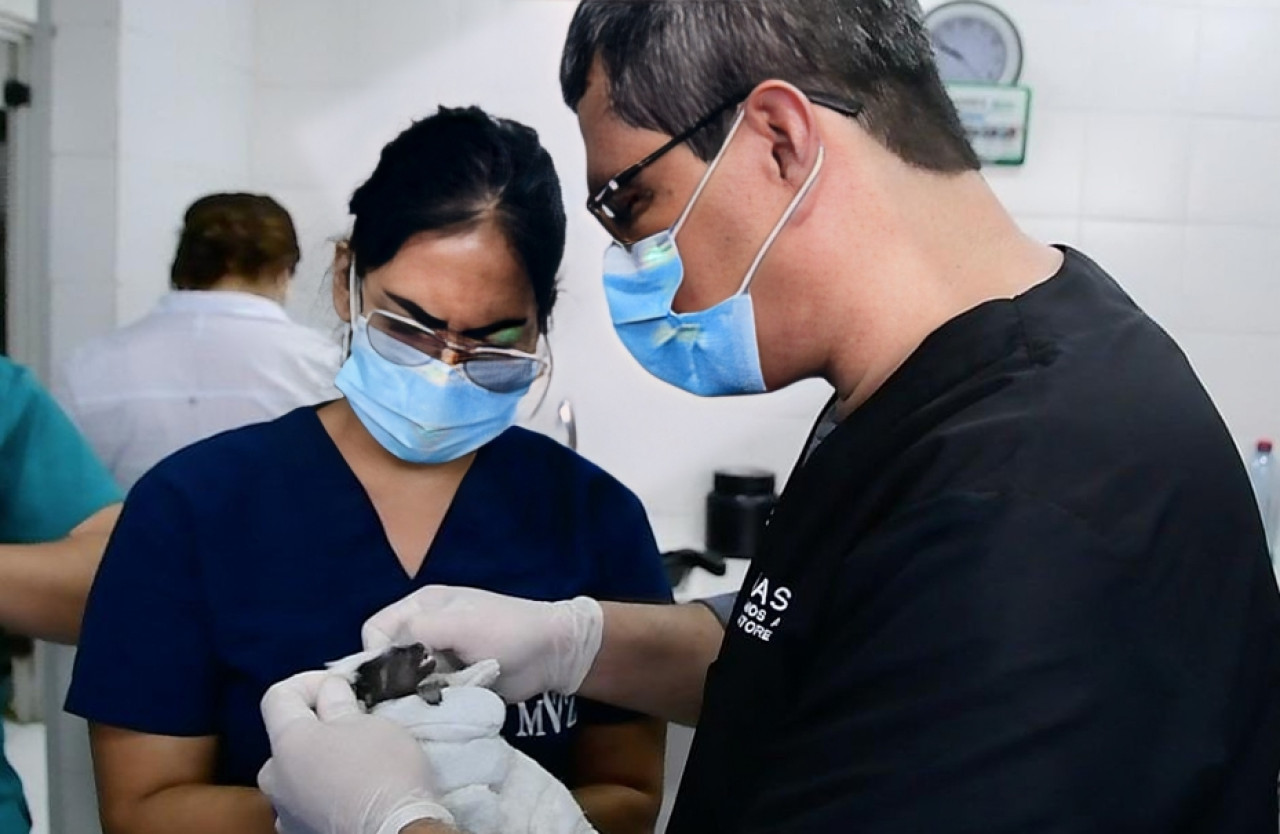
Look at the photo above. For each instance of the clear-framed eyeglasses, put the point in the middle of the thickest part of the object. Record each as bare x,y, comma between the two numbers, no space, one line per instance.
405,342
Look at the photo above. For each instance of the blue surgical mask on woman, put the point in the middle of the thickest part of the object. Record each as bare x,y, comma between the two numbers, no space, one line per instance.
429,413
712,352
422,409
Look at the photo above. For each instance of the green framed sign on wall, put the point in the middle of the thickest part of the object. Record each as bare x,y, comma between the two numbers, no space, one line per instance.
996,117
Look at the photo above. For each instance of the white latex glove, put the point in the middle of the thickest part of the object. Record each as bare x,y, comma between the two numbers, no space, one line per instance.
336,770
541,646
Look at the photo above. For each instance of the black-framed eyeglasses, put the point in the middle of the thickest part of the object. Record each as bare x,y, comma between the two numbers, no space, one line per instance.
616,216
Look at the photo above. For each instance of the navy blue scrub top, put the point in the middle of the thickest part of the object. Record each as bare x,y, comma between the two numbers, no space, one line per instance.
257,554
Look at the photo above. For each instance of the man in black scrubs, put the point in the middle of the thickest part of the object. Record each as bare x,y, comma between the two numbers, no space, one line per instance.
1016,582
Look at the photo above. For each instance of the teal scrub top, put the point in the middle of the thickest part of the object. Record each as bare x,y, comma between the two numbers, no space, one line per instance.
50,481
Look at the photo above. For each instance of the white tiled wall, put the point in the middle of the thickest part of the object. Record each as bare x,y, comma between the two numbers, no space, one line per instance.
85,56
1165,115
185,111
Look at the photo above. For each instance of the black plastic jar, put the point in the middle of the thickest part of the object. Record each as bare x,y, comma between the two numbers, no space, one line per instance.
737,510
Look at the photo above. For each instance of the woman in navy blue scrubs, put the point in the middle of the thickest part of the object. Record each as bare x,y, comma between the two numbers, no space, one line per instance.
260,553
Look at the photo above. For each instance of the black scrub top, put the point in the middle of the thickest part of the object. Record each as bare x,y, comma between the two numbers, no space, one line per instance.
1024,588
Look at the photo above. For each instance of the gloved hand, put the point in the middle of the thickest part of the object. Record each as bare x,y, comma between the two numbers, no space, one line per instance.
336,770
541,646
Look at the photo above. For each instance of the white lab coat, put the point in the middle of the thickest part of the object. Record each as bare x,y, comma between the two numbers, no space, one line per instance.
200,363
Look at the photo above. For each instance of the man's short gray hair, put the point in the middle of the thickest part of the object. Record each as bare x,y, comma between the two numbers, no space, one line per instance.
670,62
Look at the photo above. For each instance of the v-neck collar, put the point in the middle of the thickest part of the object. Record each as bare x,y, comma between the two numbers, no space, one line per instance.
350,481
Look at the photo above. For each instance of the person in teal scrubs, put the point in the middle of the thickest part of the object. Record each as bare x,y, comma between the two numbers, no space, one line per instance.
57,507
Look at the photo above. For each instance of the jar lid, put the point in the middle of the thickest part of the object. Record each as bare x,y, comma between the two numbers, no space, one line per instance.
744,481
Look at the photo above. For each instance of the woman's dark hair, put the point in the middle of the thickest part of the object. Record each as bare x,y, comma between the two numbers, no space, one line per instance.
456,169
247,235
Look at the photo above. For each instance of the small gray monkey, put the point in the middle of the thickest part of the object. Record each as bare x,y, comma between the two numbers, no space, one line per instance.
401,671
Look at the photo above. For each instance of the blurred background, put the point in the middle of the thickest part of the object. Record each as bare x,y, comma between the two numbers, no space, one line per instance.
1154,146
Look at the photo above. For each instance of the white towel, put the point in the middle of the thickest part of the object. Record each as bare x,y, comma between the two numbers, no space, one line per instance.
459,736
489,786
535,802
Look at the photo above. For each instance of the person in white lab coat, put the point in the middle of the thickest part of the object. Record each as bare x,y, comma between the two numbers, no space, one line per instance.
218,352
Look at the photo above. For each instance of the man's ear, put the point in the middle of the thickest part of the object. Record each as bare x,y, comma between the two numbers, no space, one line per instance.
341,279
789,118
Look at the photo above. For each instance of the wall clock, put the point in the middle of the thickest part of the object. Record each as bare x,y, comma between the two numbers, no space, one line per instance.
975,43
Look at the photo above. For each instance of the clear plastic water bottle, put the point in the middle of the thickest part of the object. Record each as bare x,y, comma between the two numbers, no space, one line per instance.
1262,472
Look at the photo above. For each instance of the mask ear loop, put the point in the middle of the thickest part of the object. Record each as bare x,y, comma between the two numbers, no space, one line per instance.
353,308
786,217
711,169
541,385
548,373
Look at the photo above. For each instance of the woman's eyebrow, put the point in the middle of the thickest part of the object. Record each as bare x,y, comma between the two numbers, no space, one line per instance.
423,317
497,327
417,313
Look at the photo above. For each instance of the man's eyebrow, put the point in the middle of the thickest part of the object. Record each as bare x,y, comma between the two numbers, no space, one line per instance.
423,317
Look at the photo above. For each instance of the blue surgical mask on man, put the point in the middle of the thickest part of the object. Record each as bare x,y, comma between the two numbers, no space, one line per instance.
712,352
